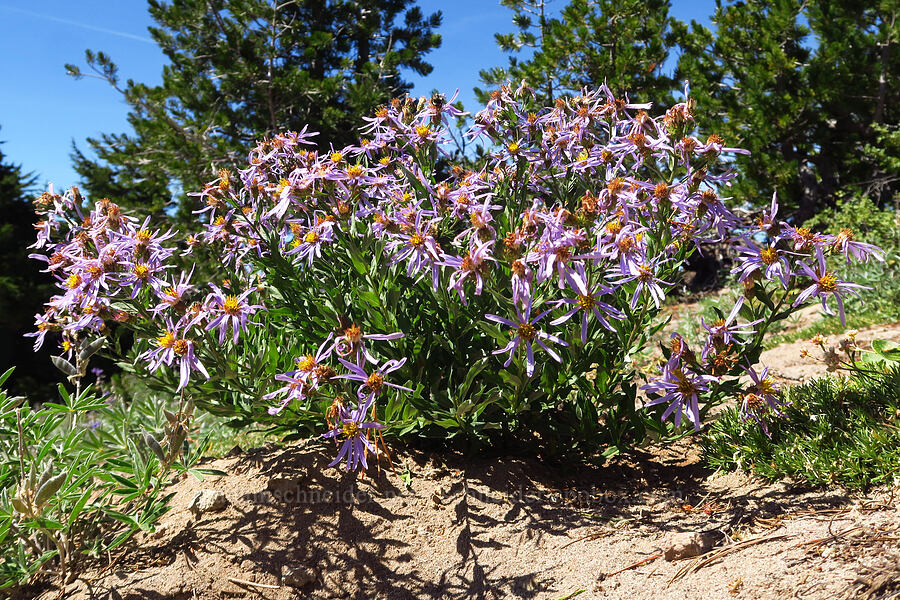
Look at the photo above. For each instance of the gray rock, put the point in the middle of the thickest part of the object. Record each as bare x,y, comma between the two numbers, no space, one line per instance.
297,576
207,501
686,544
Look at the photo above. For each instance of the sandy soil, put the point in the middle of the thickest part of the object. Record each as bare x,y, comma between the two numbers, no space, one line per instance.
786,362
472,527
478,528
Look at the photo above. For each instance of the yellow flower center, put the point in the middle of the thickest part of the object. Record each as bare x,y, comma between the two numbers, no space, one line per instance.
142,271
350,430
307,363
513,148
336,157
142,236
422,131
767,386
827,283
416,240
282,185
685,387
375,382
614,227
644,273
73,281
586,302
527,331
769,255
166,341
231,306
311,238
355,171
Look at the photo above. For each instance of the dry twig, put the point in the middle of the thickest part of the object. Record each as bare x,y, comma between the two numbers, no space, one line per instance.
253,584
635,565
701,562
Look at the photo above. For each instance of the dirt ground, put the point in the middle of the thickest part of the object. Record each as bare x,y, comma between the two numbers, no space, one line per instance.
786,362
473,527
478,528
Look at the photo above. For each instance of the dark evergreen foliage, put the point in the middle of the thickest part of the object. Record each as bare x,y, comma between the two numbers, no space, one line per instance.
242,70
23,288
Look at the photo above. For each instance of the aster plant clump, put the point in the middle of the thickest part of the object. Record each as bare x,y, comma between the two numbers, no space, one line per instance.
379,289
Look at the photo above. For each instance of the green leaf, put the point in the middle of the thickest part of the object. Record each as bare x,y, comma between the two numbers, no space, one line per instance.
49,489
79,505
63,365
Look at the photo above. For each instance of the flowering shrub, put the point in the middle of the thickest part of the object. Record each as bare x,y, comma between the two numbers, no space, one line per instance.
376,288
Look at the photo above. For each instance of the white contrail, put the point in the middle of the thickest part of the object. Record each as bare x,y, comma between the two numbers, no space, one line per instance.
123,34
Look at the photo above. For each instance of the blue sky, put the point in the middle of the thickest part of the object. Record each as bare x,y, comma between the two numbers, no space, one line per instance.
42,110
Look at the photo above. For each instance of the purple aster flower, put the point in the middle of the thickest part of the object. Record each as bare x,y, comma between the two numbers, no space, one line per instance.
825,284
308,246
761,400
473,266
526,331
228,311
372,383
586,301
806,240
722,332
45,323
767,222
522,277
845,244
173,296
418,247
554,254
352,341
770,260
680,388
295,388
311,373
439,110
141,275
645,275
171,348
352,428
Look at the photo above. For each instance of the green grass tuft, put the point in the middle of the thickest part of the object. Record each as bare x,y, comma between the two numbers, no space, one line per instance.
835,430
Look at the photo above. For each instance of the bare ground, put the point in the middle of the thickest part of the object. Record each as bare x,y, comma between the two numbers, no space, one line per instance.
502,528
786,361
509,528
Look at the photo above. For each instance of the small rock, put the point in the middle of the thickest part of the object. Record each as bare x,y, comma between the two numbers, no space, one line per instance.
207,501
686,544
286,488
297,577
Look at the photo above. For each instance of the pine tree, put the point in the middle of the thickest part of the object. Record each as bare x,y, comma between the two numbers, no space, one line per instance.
804,87
242,70
624,43
23,288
